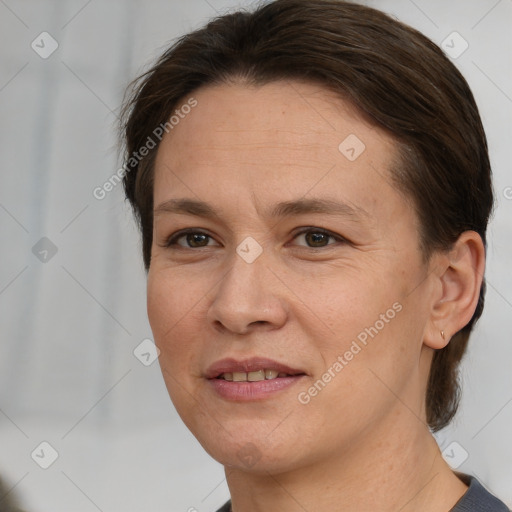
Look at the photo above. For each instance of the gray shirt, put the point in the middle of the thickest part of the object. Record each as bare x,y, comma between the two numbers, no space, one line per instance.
475,499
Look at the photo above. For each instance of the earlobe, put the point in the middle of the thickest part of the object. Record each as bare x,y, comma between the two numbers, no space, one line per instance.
460,281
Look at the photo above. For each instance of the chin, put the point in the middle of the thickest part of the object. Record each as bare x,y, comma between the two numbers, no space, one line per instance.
248,458
253,452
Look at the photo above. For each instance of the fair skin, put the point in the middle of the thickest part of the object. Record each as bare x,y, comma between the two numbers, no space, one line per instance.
302,302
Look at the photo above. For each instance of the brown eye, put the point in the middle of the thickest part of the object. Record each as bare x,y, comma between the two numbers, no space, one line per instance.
197,239
193,239
317,238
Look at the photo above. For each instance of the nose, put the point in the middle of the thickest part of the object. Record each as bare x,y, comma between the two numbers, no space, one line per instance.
248,297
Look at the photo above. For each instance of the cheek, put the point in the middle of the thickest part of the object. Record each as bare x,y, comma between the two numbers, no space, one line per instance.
365,370
161,308
356,305
170,307
171,298
171,302
373,327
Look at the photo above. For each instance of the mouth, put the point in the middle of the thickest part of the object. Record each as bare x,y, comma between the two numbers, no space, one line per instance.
251,379
258,375
250,370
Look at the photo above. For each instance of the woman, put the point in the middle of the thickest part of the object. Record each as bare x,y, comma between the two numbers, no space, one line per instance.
313,189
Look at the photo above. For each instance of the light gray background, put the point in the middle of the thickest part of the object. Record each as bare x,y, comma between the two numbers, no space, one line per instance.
69,326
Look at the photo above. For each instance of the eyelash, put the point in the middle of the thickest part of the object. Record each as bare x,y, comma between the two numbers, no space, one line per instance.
172,240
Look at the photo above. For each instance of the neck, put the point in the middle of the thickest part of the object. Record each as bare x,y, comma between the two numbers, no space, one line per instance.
387,470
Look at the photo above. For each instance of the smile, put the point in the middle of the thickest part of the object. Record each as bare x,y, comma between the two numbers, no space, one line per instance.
251,379
256,376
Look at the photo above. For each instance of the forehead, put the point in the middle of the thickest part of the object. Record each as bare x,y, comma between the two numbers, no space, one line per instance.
279,141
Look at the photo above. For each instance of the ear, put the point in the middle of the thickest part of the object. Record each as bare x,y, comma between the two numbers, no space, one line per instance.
459,278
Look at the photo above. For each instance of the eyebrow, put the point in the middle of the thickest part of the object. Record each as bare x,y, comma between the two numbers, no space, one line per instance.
301,206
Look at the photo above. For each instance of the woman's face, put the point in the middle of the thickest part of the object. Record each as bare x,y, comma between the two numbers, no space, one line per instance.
300,258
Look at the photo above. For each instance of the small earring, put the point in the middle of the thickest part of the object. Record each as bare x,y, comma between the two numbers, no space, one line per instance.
442,335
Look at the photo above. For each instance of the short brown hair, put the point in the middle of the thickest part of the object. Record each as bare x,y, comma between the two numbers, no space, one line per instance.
391,73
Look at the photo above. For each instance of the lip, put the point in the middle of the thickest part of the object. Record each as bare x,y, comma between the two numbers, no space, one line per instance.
252,364
251,391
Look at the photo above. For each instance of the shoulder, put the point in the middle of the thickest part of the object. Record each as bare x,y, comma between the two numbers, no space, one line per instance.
226,507
477,498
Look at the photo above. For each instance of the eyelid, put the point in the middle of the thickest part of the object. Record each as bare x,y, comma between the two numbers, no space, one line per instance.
323,231
172,239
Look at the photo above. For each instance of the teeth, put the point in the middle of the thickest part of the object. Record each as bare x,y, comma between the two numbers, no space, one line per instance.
256,376
252,376
271,374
